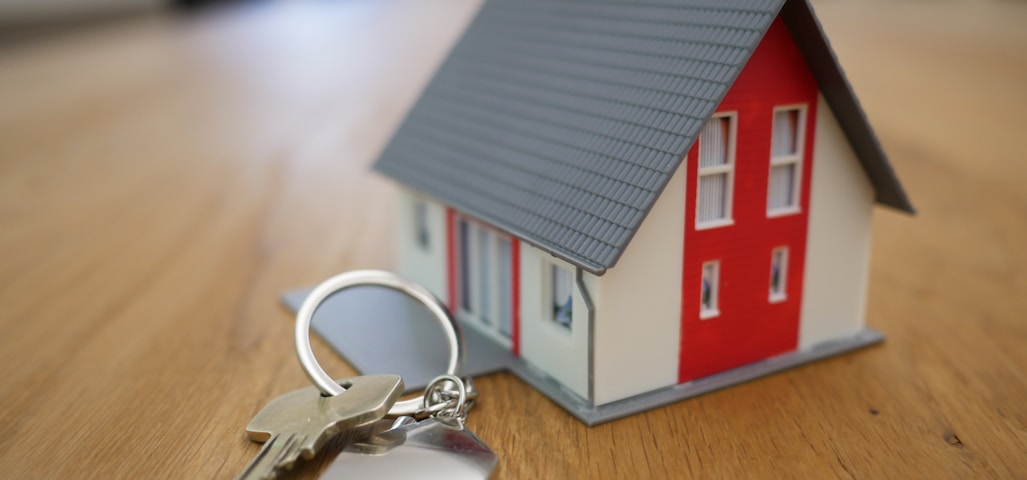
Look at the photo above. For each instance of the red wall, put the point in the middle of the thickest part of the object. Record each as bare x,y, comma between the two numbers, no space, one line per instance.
749,327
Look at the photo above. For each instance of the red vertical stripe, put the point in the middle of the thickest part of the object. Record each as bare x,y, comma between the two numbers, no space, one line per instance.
515,258
749,327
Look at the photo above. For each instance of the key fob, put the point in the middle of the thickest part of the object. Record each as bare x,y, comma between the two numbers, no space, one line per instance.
441,448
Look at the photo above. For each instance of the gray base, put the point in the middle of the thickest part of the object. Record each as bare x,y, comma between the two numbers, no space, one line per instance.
403,339
592,416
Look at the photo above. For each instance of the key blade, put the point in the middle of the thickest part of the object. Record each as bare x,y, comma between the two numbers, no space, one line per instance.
265,465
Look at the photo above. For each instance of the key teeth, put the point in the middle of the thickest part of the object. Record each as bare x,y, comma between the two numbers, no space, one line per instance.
289,454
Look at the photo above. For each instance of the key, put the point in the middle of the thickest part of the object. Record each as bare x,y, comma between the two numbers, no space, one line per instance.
301,422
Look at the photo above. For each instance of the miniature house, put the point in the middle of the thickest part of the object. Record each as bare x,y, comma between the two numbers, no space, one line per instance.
632,196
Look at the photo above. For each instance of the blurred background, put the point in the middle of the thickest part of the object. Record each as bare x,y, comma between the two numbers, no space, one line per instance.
168,168
22,19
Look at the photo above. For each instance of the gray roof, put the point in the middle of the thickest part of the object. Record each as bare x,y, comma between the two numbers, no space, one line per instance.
561,121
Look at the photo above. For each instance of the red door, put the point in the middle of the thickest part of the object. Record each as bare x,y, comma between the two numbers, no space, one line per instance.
746,213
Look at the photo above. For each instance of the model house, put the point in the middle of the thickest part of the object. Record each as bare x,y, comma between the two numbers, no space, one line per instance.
632,196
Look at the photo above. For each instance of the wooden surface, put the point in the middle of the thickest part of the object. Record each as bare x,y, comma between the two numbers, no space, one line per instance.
163,179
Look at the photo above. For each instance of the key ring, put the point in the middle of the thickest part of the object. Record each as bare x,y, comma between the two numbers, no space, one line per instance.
340,282
433,398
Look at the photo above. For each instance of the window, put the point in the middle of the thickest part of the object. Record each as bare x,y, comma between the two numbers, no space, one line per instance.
708,294
716,169
485,282
778,274
421,232
483,251
464,237
785,160
561,286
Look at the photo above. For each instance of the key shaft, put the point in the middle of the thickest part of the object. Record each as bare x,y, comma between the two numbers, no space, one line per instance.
270,458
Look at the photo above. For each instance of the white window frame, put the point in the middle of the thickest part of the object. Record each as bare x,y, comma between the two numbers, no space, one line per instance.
728,168
706,313
781,294
549,295
784,160
492,327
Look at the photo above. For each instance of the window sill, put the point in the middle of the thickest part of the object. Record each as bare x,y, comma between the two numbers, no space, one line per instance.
561,327
708,314
783,212
714,224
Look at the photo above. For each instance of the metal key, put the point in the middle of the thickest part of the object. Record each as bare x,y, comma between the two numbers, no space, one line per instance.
301,422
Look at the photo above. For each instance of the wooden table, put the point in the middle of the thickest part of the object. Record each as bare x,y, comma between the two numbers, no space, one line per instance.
163,179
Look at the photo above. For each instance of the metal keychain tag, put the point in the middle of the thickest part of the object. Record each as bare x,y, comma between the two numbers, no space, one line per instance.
438,447
429,449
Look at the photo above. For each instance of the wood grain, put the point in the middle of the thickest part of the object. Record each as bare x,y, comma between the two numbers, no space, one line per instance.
162,179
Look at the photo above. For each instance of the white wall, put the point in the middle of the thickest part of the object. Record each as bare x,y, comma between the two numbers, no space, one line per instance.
638,323
560,353
424,266
838,245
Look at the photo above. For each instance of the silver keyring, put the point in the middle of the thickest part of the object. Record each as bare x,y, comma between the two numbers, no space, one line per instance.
457,409
356,278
